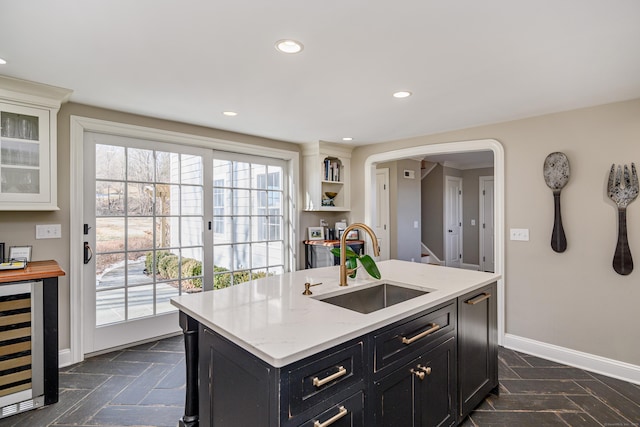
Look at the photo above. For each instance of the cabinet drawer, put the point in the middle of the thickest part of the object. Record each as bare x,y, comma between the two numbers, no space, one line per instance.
324,377
418,333
348,413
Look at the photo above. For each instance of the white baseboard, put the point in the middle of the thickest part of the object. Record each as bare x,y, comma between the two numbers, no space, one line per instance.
470,266
589,362
64,358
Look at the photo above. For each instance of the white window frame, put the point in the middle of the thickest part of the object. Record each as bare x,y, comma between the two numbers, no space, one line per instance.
79,124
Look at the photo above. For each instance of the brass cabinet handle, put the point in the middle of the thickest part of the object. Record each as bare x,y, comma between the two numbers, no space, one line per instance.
425,369
342,411
320,382
434,327
418,374
479,298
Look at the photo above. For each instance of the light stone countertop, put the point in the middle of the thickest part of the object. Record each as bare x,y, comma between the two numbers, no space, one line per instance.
271,318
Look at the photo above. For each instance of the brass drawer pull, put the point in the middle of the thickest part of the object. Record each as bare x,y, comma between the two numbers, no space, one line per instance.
320,382
342,411
479,298
425,369
418,374
434,327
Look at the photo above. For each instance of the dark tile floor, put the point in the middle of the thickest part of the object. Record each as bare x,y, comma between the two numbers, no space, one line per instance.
144,386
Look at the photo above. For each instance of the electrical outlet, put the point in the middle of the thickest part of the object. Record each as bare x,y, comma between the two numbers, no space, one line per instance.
48,231
519,234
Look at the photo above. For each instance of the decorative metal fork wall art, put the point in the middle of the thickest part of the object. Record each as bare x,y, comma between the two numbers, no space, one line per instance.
622,189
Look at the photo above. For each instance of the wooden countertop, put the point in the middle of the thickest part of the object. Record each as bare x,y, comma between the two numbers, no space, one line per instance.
35,270
332,242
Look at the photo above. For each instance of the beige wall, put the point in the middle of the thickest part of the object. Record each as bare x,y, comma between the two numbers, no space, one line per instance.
404,239
432,191
18,228
573,299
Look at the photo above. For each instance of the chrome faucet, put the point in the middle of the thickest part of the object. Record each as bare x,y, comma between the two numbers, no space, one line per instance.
344,271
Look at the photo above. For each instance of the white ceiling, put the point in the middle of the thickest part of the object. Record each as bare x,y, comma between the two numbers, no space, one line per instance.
467,62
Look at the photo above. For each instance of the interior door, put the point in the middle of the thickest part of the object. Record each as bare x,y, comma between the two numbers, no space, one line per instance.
382,212
453,221
144,209
487,262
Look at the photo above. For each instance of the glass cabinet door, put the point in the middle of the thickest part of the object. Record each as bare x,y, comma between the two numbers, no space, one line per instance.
24,154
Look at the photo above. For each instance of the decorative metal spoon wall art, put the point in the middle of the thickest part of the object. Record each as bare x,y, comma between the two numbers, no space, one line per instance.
556,175
623,189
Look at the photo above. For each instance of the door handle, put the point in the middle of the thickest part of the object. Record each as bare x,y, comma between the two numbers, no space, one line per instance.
88,253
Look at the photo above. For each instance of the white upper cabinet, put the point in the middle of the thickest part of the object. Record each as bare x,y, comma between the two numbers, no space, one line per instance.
327,171
28,146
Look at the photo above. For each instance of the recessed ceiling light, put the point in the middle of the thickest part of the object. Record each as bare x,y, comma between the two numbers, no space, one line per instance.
402,94
230,113
289,46
347,138
2,61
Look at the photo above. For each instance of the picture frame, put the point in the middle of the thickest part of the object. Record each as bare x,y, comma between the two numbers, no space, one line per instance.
316,233
353,235
1,251
21,253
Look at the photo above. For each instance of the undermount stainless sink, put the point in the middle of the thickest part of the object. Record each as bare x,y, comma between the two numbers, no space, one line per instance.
374,298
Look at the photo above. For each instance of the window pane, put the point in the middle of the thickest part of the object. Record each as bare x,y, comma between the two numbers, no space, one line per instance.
136,269
139,233
191,171
275,178
276,251
167,197
241,175
259,255
166,232
241,229
167,167
222,257
109,269
110,162
222,173
251,195
223,227
259,175
191,200
109,198
140,165
109,234
259,228
241,254
164,293
222,198
241,202
140,198
191,234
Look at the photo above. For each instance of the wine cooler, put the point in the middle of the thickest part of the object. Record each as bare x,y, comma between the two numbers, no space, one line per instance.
21,347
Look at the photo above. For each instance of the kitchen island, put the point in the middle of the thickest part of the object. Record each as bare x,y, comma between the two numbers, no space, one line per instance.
263,353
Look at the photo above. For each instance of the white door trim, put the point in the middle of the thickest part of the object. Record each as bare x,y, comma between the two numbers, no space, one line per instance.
385,246
78,125
452,147
445,217
481,217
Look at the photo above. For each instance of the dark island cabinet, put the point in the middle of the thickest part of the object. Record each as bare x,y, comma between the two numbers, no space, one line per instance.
428,369
238,389
477,347
421,393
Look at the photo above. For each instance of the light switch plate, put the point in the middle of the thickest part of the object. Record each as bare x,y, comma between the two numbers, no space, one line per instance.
519,234
48,231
